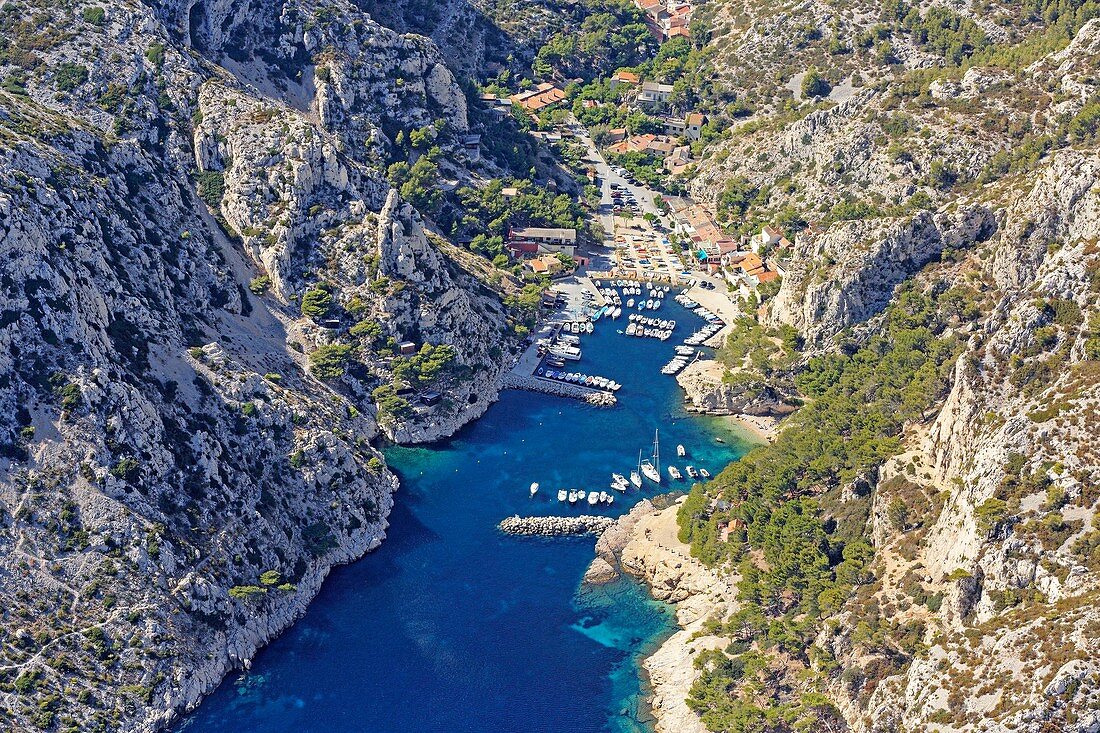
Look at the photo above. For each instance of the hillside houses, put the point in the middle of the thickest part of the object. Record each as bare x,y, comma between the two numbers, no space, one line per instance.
539,98
690,126
666,18
525,242
661,146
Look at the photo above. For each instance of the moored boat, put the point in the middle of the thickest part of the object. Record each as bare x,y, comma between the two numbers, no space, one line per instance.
534,488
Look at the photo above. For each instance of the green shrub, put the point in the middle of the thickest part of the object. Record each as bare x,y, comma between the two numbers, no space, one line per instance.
69,76
330,362
316,303
270,577
246,591
155,53
211,187
259,285
94,15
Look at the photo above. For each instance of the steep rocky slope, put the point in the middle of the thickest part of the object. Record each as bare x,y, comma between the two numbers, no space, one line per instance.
205,277
918,550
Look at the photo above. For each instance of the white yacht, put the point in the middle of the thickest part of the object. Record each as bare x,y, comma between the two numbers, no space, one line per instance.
675,473
534,489
572,497
562,495
692,472
636,479
593,498
619,482
652,469
681,451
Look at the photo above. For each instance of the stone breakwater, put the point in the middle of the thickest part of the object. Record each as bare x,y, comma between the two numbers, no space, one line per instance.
556,526
560,389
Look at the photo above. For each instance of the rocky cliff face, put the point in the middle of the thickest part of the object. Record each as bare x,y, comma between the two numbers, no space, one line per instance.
175,481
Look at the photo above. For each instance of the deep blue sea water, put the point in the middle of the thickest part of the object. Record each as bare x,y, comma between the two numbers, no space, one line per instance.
450,626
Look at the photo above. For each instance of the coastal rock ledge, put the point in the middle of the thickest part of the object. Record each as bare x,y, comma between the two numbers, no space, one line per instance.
645,544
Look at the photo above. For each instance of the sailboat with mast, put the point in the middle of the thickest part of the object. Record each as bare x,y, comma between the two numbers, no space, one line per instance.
636,476
652,469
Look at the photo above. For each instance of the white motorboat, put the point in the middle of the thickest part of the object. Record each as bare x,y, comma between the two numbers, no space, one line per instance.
534,488
572,497
636,479
589,327
630,303
704,473
562,494
691,471
681,451
593,498
617,312
675,473
581,495
619,482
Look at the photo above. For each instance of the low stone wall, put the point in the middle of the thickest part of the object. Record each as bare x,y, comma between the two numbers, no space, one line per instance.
556,526
559,389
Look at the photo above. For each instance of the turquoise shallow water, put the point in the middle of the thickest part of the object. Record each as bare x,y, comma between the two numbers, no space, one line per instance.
451,626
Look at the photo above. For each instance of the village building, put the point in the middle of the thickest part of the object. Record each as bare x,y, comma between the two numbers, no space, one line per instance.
659,145
653,93
542,96
533,241
617,134
471,146
547,264
690,127
622,77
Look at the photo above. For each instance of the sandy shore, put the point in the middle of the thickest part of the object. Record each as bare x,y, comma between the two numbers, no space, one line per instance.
764,428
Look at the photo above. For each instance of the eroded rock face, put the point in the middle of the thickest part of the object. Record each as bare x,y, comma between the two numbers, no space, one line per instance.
849,273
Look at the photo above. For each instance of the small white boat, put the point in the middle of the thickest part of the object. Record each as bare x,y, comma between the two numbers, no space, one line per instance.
534,488
572,497
630,303
562,494
593,498
704,473
681,451
619,482
589,328
636,479
675,473
691,471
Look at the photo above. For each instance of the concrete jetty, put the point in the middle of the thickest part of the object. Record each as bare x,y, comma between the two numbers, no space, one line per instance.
586,524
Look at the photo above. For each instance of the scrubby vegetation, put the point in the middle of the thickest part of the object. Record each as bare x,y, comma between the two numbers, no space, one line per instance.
798,557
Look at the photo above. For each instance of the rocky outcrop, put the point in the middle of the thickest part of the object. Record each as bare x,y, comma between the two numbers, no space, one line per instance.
707,390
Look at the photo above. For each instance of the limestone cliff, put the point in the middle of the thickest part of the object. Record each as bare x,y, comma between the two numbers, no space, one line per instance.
187,435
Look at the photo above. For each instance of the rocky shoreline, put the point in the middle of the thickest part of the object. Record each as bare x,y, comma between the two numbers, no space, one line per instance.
756,406
644,544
